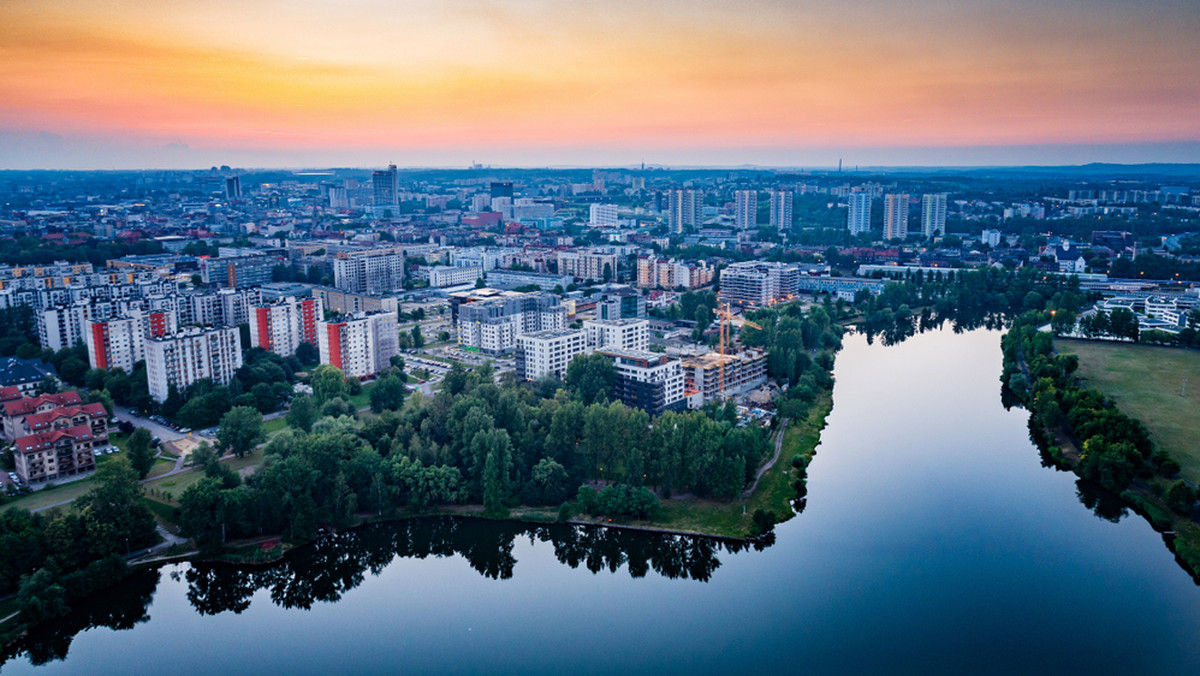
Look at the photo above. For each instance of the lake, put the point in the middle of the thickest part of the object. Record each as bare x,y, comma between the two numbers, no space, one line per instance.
933,540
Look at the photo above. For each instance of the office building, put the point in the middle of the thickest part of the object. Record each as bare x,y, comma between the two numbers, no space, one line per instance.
895,216
745,209
650,381
385,187
858,219
544,352
620,302
191,355
441,275
361,345
622,334
933,215
781,209
501,189
233,188
603,215
282,325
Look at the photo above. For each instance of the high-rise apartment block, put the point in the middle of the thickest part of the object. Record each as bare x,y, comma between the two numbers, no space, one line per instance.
281,326
858,219
684,208
372,272
895,216
588,264
745,209
659,273
361,345
62,326
603,215
933,215
191,355
759,283
781,209
385,186
121,342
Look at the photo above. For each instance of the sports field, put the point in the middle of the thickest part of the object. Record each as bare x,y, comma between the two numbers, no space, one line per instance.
1158,385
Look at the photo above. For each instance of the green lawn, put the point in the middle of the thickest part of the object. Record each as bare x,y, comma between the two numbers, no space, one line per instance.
170,488
270,427
1146,382
363,399
49,496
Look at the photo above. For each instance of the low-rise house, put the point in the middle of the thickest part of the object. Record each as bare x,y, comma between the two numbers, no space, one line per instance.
55,454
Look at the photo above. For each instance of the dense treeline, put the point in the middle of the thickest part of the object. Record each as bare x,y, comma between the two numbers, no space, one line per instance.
477,442
53,560
1114,447
38,251
800,351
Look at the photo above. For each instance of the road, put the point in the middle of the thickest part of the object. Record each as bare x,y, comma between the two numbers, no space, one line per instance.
161,431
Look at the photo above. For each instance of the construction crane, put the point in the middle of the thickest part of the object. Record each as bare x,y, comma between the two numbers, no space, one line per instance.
727,318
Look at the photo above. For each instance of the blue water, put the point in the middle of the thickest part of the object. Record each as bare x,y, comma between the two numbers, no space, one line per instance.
933,541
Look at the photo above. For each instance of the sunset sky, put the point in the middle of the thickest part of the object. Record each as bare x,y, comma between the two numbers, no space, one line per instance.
184,83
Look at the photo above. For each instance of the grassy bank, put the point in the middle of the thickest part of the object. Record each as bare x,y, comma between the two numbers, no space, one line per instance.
1146,381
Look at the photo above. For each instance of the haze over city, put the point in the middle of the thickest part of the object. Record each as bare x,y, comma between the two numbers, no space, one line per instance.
183,84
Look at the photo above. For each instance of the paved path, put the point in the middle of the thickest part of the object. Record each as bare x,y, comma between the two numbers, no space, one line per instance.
770,463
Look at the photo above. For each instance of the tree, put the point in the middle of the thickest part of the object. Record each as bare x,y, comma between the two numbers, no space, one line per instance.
303,413
241,430
591,377
141,455
307,353
49,385
1181,497
328,382
41,597
388,394
202,513
418,340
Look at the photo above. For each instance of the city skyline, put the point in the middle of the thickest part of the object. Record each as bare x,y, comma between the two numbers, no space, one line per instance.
529,83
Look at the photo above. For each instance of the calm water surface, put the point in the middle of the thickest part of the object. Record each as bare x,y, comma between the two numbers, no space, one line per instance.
933,541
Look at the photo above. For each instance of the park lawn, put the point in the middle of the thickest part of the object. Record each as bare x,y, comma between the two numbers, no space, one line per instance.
119,440
363,399
270,427
1145,381
169,489
161,467
49,496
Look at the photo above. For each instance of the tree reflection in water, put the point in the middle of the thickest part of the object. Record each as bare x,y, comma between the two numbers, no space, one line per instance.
326,570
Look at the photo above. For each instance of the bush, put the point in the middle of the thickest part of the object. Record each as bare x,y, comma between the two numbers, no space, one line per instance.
763,522
1181,497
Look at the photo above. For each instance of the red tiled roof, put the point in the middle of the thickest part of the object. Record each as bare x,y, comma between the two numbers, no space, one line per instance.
27,405
36,443
10,393
40,420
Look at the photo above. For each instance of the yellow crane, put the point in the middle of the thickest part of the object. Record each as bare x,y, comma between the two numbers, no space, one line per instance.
727,317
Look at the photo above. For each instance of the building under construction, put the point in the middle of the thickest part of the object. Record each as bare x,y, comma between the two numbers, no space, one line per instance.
744,371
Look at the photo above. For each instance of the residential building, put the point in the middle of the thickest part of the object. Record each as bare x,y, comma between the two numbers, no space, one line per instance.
93,416
622,334
858,218
745,209
24,374
15,411
53,455
684,208
239,272
442,275
346,302
492,326
190,355
360,345
782,202
603,215
588,264
759,283
281,326
895,216
370,272
543,352
511,279
62,326
121,342
650,381
933,215
658,273
992,238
